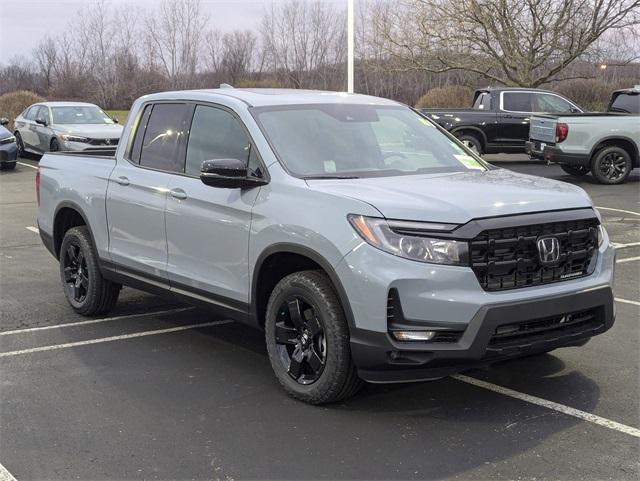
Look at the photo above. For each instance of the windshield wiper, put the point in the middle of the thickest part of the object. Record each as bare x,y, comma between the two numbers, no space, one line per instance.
313,177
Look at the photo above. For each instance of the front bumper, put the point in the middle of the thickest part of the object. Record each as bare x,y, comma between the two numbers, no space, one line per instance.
381,359
8,152
438,297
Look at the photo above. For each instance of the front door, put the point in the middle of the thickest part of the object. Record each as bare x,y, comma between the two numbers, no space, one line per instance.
208,227
138,189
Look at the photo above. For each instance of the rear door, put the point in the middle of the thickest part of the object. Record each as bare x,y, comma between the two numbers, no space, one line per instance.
515,113
26,128
138,187
208,227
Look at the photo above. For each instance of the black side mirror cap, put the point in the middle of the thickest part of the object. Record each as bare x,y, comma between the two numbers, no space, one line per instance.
4,121
228,174
115,120
41,122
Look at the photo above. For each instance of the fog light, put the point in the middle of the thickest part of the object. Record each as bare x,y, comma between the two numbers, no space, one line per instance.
413,335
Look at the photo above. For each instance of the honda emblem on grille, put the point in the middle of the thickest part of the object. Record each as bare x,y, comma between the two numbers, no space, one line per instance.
107,141
548,249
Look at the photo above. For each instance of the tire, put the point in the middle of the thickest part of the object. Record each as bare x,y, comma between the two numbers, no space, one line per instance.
54,146
471,142
8,165
313,361
611,165
86,290
577,170
21,151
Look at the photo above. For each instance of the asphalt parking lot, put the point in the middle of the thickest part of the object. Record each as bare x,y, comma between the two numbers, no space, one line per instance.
158,390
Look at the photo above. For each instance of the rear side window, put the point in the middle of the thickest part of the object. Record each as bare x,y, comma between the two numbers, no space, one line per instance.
215,134
30,113
136,147
551,104
163,142
624,102
483,101
517,101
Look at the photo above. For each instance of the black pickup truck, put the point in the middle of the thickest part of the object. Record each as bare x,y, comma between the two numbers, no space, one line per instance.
498,121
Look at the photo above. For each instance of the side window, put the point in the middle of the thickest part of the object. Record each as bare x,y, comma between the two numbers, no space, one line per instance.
162,145
517,101
624,102
551,104
215,134
136,147
43,114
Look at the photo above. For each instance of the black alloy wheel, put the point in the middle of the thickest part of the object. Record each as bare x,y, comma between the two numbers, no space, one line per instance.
300,340
611,165
76,273
55,145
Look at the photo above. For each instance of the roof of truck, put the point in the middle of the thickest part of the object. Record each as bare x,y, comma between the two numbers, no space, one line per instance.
261,97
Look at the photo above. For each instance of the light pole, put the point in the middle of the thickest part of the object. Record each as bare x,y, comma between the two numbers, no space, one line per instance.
350,46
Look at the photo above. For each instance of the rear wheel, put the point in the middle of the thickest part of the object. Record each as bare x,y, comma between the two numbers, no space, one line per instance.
85,289
307,339
611,165
577,170
471,142
20,144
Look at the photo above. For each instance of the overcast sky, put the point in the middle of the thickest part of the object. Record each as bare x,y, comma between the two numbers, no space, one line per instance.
24,22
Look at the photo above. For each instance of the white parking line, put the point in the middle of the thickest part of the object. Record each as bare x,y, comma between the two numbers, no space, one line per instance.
32,229
627,259
627,301
5,475
94,321
577,413
619,210
31,166
112,338
624,246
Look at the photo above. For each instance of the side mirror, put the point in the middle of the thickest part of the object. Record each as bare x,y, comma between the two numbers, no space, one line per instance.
115,119
4,121
228,174
41,122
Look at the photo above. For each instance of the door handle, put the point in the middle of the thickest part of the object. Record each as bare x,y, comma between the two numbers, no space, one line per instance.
508,116
122,181
178,194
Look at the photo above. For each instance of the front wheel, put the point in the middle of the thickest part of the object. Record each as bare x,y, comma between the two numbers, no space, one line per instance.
577,170
307,339
85,289
20,144
54,146
8,165
611,165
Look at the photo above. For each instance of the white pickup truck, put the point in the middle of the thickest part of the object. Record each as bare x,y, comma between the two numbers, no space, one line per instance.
606,144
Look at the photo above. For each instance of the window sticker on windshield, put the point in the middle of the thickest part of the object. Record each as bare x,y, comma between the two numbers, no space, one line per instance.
329,166
469,162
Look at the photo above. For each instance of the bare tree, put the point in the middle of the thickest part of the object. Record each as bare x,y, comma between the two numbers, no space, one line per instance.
305,41
45,56
513,42
174,34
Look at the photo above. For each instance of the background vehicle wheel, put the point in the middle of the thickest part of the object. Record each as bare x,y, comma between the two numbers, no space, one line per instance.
8,165
84,287
577,170
611,165
54,146
471,142
20,143
307,339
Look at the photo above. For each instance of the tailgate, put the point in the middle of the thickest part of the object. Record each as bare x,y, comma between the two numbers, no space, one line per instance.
543,129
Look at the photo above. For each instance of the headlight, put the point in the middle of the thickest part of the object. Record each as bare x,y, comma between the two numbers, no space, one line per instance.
8,140
380,233
601,234
74,138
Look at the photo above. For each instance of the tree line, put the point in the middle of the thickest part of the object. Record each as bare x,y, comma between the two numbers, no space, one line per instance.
404,48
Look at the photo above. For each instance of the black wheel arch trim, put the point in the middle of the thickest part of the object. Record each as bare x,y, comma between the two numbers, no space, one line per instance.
290,248
635,158
67,204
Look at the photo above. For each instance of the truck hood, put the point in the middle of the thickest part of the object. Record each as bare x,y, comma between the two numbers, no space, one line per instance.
93,131
458,197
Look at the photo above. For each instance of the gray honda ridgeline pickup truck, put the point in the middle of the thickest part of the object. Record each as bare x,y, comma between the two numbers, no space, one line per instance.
367,242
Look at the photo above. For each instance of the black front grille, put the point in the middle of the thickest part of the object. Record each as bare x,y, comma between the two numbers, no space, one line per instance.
103,141
547,328
508,258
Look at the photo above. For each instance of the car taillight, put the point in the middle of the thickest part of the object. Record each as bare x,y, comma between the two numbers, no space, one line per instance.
562,130
38,186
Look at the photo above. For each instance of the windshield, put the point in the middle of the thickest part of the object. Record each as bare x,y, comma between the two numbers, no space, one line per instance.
342,140
85,114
